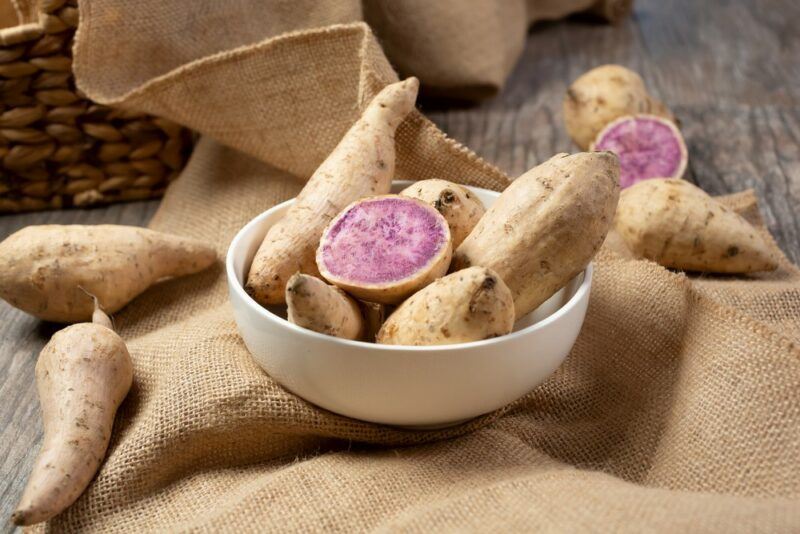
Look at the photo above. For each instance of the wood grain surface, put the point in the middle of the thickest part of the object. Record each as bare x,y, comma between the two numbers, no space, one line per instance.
729,69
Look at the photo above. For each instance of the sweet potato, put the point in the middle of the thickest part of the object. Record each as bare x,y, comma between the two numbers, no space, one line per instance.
679,225
323,308
361,165
47,270
82,375
460,208
382,249
602,95
546,226
468,305
647,146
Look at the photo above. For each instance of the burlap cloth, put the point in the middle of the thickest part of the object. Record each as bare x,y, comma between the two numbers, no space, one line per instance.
677,410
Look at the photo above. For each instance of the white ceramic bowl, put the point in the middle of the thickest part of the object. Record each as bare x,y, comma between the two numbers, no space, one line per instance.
396,385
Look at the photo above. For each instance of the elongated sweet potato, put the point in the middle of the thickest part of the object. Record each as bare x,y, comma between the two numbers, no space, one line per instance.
82,375
361,165
382,249
468,305
546,226
678,225
49,271
323,308
461,209
602,95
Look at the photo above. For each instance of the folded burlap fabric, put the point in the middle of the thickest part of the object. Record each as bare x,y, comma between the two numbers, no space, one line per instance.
678,409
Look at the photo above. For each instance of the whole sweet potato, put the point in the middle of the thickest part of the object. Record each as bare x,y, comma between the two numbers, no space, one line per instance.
467,305
49,271
546,226
323,308
679,225
82,376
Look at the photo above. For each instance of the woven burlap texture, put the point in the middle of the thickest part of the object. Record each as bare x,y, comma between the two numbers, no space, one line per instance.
677,410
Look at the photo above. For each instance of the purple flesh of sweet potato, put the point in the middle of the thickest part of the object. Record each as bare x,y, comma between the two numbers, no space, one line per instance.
383,248
647,146
389,239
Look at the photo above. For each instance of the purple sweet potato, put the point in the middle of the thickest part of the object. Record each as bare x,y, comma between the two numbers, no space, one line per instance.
647,146
382,249
603,95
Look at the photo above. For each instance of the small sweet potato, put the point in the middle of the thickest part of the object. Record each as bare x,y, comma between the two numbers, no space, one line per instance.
361,165
679,225
82,376
467,305
602,95
461,209
323,308
546,226
49,271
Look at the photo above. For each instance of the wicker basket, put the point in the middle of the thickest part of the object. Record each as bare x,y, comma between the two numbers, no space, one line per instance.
57,148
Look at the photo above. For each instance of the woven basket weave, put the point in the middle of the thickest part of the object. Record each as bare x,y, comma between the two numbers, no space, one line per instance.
57,148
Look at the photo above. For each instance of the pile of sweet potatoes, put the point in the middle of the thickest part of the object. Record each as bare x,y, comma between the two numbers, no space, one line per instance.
660,217
428,266
71,274
346,245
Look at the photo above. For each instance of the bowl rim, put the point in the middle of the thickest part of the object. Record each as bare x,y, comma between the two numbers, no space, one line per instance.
264,313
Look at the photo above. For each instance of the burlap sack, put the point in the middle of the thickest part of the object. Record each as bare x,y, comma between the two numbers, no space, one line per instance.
677,410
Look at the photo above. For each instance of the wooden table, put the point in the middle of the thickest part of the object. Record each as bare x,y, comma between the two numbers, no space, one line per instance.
729,69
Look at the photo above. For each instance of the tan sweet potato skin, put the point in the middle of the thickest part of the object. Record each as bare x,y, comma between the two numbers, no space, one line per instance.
323,308
461,209
464,306
361,165
602,95
678,225
49,271
397,291
546,226
82,375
